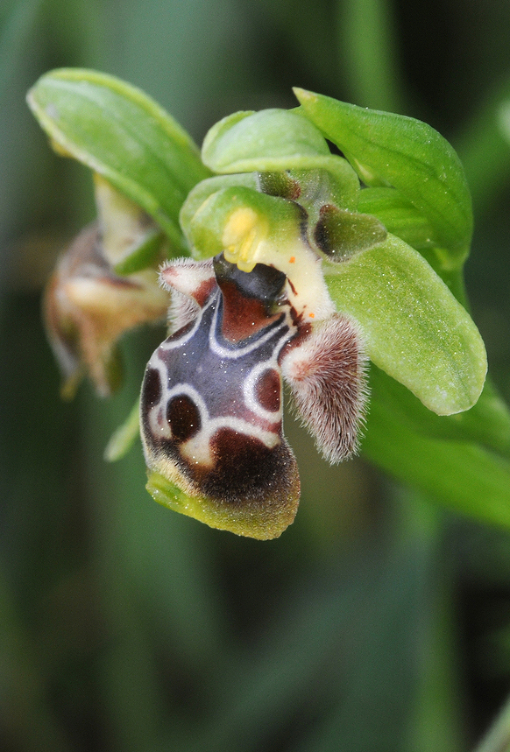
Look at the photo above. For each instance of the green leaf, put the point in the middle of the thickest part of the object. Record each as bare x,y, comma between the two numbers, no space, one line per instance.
415,330
122,134
404,153
460,475
486,423
275,141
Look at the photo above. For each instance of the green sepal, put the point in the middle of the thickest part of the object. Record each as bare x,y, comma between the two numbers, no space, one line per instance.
414,328
122,134
263,523
461,475
275,141
239,141
402,219
124,437
486,423
400,152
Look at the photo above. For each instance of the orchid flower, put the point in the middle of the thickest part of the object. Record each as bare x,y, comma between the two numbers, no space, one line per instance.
300,245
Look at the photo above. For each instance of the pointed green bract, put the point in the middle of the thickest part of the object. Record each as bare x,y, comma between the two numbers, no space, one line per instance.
414,328
123,135
404,153
124,437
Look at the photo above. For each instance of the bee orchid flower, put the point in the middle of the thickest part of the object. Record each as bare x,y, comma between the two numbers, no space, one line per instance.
296,246
212,404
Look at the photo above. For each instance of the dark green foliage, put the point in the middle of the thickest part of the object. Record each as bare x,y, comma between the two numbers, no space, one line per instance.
377,623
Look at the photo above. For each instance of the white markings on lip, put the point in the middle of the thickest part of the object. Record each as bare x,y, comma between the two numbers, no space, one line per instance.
197,449
250,385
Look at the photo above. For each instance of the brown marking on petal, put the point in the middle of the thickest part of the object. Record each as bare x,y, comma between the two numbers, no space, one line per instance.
261,510
246,471
242,316
151,387
304,331
322,234
279,184
204,291
292,287
195,279
183,417
200,294
268,390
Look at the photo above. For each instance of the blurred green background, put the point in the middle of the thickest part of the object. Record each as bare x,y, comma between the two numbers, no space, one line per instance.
377,622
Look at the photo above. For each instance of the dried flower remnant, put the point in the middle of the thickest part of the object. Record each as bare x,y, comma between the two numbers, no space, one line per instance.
88,305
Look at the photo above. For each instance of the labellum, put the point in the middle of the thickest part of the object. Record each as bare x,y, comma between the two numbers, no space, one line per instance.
211,405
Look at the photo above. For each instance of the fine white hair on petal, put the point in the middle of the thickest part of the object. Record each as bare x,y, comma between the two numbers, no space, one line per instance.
185,274
326,375
187,280
181,311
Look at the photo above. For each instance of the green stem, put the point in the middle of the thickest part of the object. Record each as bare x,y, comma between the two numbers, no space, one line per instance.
368,45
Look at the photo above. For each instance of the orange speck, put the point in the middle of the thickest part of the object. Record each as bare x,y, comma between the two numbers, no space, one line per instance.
312,315
292,259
